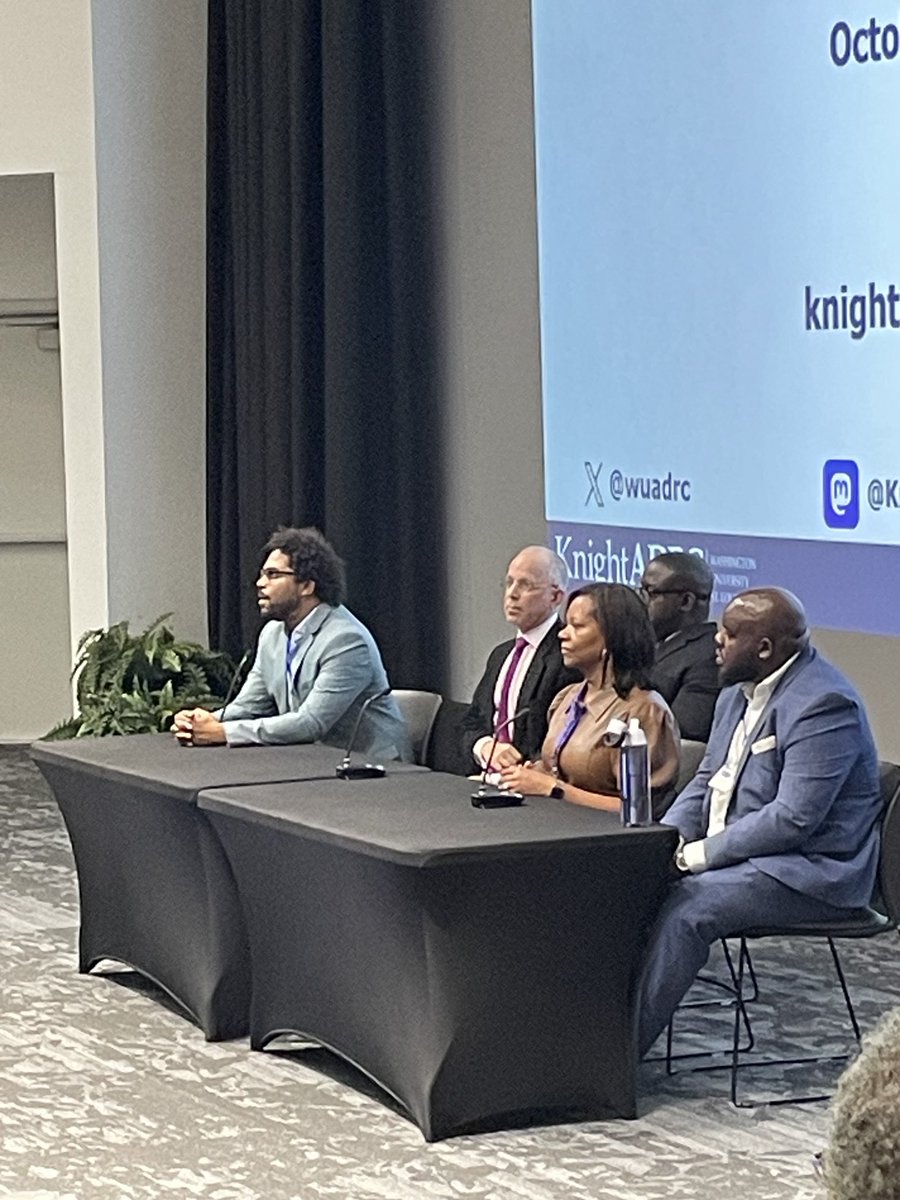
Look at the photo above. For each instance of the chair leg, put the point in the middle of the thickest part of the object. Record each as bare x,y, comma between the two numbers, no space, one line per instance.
735,997
743,955
843,982
754,995
737,1065
742,990
669,1056
738,985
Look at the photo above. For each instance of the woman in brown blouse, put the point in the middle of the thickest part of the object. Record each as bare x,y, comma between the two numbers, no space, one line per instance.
609,639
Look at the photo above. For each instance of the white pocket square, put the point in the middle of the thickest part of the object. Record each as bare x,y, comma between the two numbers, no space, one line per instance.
764,744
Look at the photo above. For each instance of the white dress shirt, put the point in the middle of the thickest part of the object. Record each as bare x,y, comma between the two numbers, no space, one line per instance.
533,637
722,783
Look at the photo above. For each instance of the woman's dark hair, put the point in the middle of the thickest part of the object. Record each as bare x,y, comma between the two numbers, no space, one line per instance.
627,631
312,559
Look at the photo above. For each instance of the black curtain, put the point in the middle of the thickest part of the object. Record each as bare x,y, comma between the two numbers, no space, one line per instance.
324,382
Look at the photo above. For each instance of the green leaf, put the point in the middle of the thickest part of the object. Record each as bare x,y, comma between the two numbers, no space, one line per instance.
134,683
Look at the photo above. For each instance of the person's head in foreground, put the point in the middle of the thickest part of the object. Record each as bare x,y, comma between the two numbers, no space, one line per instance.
862,1161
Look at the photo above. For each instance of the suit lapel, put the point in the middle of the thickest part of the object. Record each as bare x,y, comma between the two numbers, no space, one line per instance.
664,649
499,655
753,735
766,722
736,704
679,640
282,659
763,726
538,666
316,619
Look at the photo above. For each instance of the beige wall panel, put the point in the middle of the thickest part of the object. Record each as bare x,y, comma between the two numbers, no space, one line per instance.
490,315
27,258
35,659
46,101
32,478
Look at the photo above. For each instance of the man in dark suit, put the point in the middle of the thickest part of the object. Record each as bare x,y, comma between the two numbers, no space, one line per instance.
676,589
525,672
780,824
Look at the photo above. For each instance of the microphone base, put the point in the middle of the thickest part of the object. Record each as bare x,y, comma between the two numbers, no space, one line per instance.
488,797
369,771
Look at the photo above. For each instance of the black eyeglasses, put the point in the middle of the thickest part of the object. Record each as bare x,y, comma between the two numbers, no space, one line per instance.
271,573
647,593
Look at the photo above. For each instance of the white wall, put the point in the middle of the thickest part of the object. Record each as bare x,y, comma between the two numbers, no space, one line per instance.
150,105
494,438
133,416
873,663
34,594
47,125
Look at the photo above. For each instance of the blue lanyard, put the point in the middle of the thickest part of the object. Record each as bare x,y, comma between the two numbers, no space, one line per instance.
576,710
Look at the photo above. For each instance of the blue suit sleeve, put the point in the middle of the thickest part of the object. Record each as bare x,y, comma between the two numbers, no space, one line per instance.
253,700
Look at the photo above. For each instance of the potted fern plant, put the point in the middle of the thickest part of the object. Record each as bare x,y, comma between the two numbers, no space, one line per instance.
135,683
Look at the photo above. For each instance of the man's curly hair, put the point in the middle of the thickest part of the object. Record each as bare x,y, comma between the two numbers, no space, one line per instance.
312,559
862,1161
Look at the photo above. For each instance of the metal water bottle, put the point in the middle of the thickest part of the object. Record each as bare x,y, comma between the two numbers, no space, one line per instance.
634,776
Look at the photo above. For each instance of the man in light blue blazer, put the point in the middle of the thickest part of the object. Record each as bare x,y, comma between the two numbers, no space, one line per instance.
780,824
316,665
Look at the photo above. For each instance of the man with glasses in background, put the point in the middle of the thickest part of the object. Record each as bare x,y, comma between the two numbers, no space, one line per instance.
525,672
316,665
676,589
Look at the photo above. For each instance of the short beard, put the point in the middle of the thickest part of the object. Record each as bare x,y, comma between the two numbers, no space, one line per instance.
736,673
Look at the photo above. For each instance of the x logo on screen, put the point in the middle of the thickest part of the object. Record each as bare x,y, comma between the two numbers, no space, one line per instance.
594,479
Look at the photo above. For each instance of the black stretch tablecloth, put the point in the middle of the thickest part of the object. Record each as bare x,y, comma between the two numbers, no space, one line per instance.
157,760
156,890
479,964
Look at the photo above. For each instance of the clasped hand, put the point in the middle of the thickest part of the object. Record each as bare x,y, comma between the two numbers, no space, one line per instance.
197,727
529,778
504,754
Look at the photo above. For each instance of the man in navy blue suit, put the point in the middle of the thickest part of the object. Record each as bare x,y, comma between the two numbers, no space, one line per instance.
780,824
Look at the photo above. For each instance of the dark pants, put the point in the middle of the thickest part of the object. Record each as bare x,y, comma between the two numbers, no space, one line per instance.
699,910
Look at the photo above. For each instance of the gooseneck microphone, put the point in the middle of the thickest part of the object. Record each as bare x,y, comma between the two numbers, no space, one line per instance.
183,737
369,770
233,684
488,795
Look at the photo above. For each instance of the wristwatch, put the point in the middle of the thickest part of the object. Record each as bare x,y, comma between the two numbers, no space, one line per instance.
557,792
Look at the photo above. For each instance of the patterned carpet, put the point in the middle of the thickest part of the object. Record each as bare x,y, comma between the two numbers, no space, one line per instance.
106,1092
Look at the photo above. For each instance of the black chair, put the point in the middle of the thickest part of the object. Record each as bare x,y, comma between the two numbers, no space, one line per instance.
419,711
688,762
445,750
882,917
